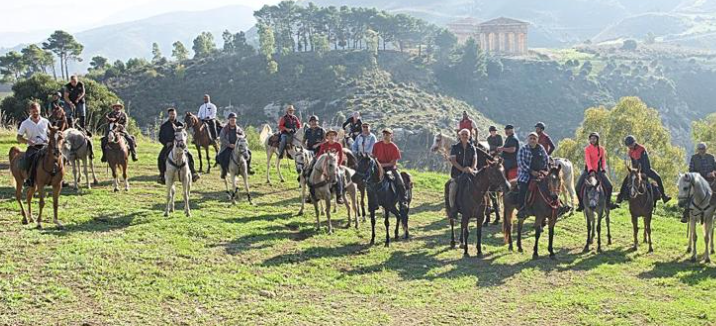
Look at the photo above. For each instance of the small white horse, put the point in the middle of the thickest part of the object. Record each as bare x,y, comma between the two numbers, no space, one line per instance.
238,166
178,169
323,176
696,194
76,148
265,136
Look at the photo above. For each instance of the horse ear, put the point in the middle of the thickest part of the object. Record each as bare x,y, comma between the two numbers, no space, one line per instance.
559,168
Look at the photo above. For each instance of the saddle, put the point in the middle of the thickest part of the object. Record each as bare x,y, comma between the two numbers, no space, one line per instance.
274,140
534,188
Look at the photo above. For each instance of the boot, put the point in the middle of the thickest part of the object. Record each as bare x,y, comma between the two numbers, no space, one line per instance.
195,177
685,216
134,155
665,198
161,180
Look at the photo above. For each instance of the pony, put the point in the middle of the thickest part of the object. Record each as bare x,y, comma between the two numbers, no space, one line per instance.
117,155
696,194
321,179
202,139
49,171
271,140
178,169
78,147
383,193
473,202
642,201
238,166
596,199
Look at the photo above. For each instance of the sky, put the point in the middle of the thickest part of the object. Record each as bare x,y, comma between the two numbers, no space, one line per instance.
38,16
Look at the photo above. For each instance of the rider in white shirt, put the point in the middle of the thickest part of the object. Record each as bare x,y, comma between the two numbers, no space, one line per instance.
207,114
33,132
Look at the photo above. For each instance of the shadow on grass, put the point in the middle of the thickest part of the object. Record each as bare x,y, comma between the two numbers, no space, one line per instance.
685,271
347,250
267,236
99,224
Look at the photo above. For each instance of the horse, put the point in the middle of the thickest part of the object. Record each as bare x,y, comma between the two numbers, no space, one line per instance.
117,155
642,201
321,179
351,161
345,138
568,190
382,193
48,172
238,166
202,139
271,141
596,199
696,194
302,160
178,169
544,207
473,202
78,147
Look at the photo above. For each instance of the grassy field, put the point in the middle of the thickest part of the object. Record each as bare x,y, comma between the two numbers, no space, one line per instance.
120,262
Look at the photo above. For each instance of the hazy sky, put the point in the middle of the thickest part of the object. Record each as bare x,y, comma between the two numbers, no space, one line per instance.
28,16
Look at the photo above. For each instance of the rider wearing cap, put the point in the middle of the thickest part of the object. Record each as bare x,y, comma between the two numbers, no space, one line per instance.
463,157
119,117
702,163
494,140
354,123
544,139
387,154
532,161
509,152
166,137
595,158
287,126
330,145
228,136
314,136
640,158
363,144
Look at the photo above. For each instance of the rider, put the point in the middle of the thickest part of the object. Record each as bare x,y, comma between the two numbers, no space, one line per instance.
544,139
532,162
119,117
355,123
363,144
331,145
75,102
595,158
287,126
33,132
704,164
388,154
227,137
494,140
314,136
640,157
166,138
207,114
467,123
53,109
463,158
509,152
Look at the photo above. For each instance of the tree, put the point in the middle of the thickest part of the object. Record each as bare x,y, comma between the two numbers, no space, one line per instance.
320,44
629,45
98,63
179,51
37,60
157,57
12,67
267,41
446,41
204,45
228,41
65,47
705,130
237,44
630,116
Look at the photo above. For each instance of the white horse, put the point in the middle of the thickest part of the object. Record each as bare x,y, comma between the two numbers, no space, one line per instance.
567,179
78,147
696,194
323,177
238,166
265,136
178,169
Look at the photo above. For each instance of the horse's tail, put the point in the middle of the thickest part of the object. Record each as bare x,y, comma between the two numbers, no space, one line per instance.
90,149
14,152
265,133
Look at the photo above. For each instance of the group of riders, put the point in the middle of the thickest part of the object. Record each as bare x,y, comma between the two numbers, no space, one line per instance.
523,163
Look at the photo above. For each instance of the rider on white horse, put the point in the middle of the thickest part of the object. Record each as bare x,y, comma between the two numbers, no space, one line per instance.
287,127
228,137
167,132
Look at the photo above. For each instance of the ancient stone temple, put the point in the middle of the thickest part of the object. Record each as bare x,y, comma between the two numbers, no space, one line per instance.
464,29
503,36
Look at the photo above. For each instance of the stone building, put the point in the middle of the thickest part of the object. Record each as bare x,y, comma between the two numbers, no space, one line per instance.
464,29
503,36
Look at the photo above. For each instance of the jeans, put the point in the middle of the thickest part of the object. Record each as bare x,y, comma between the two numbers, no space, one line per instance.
282,143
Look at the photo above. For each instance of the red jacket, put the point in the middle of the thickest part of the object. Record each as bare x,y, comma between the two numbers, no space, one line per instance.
386,153
466,124
288,123
546,142
327,147
592,156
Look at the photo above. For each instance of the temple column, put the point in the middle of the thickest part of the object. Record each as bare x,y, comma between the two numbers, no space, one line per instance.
521,46
511,43
490,42
501,42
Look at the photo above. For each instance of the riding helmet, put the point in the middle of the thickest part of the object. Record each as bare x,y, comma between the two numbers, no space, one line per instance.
540,125
594,134
313,118
629,140
231,115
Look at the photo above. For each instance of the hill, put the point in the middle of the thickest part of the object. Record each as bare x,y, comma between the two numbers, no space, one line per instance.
119,261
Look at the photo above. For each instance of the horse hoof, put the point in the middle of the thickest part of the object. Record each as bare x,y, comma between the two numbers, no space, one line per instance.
520,250
688,250
462,246
585,250
609,242
510,249
707,260
116,190
712,252
60,226
39,227
535,256
406,237
599,249
479,255
166,214
25,222
372,242
693,259
465,255
387,244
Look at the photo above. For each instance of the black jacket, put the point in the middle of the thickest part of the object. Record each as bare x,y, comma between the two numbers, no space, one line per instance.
702,164
166,131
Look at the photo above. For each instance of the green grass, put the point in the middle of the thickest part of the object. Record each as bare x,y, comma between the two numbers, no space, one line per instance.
120,262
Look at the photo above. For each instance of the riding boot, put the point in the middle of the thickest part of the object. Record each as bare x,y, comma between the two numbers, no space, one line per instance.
250,171
132,147
103,144
194,176
622,191
30,181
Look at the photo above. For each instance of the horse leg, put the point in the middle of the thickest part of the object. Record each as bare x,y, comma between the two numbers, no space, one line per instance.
269,154
41,192
464,230
693,239
302,183
318,214
234,189
599,232
124,176
56,189
201,162
18,197
635,226
479,239
538,232
496,206
362,202
645,235
589,234
711,231
520,222
550,247
246,186
372,226
84,166
30,195
94,176
278,169
386,222
609,231
75,174
707,239
452,232
328,213
647,229
170,184
397,223
115,182
186,187
208,159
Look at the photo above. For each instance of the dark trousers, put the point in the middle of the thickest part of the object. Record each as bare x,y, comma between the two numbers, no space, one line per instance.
651,174
224,158
606,184
162,160
522,188
212,124
31,158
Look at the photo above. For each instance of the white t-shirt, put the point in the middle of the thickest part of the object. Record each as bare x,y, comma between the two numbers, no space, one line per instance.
35,132
207,111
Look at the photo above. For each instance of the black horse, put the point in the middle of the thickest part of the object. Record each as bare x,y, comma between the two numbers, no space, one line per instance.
382,192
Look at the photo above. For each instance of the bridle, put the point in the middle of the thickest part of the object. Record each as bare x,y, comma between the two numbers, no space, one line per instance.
700,208
179,143
637,188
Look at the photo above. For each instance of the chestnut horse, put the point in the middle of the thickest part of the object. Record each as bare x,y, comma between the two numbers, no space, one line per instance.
49,172
117,154
202,139
642,200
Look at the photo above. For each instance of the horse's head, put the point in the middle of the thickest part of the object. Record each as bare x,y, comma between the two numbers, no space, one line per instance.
190,120
301,159
437,142
496,175
637,183
330,166
554,182
686,184
241,145
365,166
56,138
180,138
593,191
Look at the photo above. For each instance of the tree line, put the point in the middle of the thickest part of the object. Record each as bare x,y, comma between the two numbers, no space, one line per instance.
61,47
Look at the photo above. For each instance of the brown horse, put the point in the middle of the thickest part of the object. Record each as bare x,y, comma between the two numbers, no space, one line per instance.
202,139
544,206
117,155
473,202
58,118
49,172
642,201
